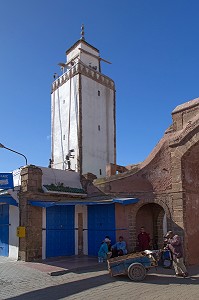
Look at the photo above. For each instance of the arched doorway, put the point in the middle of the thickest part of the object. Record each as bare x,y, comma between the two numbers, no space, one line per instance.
152,217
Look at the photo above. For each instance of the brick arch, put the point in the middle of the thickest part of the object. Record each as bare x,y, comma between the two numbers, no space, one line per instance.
181,159
179,151
133,221
189,147
155,201
185,143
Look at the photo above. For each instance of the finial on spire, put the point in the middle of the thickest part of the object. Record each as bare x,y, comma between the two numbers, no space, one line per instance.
82,32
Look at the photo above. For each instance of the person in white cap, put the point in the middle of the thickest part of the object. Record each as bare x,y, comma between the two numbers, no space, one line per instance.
103,251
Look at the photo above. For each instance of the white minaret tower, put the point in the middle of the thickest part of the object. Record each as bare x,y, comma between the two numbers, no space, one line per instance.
83,113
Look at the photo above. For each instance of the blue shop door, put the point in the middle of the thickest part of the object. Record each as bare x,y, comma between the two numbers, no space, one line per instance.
4,230
101,222
60,231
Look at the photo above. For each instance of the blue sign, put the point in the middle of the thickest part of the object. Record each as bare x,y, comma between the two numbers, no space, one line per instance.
6,181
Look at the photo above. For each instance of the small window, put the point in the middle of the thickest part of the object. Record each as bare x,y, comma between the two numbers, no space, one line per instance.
64,101
99,127
98,93
64,137
100,171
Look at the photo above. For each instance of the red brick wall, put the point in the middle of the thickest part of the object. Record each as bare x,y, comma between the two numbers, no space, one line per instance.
154,175
190,168
121,217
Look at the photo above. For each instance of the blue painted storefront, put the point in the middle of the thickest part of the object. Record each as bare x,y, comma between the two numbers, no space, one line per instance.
101,223
4,229
60,225
60,231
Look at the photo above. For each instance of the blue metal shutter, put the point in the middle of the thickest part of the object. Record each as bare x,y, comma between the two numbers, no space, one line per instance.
60,232
101,222
4,230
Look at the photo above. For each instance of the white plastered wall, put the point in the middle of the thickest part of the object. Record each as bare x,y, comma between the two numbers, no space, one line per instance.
81,209
64,118
13,239
97,112
87,59
97,127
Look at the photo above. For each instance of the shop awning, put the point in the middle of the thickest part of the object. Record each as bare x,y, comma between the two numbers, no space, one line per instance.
123,201
48,204
8,200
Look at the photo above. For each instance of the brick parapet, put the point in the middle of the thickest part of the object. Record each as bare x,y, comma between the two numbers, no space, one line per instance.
81,68
31,179
182,114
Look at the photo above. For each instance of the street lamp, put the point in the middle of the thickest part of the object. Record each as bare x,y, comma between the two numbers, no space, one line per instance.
2,146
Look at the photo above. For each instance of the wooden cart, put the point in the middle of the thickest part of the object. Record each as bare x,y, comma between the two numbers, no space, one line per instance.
135,265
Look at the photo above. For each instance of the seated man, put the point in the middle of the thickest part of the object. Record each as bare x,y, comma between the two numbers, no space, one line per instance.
119,248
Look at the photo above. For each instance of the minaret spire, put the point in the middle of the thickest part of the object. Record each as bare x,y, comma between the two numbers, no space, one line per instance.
82,32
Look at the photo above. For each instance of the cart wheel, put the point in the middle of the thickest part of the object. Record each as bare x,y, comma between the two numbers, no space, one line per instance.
136,272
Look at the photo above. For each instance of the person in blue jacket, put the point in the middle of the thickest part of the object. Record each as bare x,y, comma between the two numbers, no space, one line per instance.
103,251
119,248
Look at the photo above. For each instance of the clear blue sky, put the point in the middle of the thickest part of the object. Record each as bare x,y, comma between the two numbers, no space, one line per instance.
154,49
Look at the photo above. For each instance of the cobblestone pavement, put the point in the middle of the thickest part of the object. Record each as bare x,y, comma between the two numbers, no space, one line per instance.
19,281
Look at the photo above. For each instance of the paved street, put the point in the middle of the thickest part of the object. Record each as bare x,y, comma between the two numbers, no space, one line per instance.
22,281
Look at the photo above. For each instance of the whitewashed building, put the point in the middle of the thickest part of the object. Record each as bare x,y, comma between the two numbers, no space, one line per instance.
9,218
83,113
